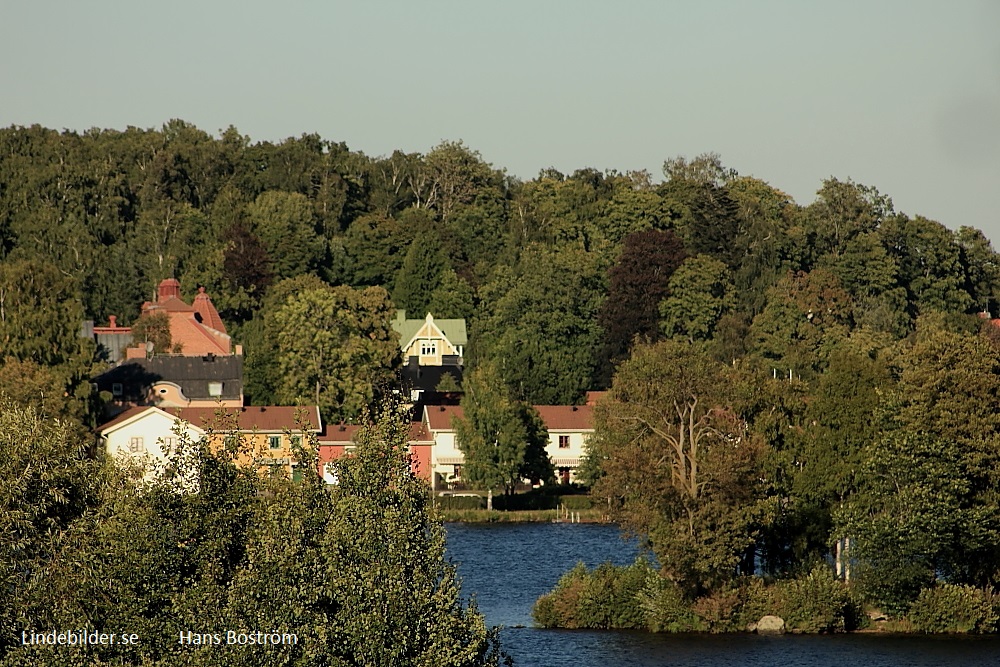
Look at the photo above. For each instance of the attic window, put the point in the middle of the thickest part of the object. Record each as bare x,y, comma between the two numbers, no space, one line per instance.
428,348
215,389
116,388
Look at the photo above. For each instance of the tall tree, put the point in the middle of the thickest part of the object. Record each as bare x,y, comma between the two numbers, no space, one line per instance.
539,325
500,437
637,283
284,223
677,464
700,293
336,348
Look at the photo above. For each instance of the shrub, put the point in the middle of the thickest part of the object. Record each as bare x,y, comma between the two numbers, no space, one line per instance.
816,602
576,503
721,611
461,502
606,598
955,609
665,607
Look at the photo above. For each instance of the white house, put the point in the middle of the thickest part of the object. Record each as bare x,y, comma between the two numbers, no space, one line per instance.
146,435
569,428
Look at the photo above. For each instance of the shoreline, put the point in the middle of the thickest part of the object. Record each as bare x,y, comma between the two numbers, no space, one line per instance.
523,516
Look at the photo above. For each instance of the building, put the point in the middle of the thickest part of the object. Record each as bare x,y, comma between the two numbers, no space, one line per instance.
431,349
338,440
264,436
195,330
569,427
174,382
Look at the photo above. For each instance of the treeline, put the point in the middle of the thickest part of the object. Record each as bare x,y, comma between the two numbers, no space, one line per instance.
557,275
355,574
787,383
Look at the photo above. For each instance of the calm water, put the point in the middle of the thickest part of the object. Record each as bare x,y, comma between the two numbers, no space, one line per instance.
508,566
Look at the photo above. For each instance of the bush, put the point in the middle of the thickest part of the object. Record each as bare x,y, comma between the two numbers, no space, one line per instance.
576,503
461,502
816,602
721,610
666,609
955,609
605,598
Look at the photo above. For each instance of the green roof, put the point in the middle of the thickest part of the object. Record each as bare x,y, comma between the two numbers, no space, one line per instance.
453,330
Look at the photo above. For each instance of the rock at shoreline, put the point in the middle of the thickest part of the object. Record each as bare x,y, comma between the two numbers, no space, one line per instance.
771,625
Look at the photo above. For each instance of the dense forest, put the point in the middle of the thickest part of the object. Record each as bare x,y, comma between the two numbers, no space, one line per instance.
787,382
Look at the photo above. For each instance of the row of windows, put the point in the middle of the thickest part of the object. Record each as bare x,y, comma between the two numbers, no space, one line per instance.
136,444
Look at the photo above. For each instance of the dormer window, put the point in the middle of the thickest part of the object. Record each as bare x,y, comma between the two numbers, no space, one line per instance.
215,389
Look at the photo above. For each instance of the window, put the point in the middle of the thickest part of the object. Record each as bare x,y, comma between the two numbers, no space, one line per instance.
274,441
215,389
231,442
169,444
296,441
116,388
428,348
135,445
563,442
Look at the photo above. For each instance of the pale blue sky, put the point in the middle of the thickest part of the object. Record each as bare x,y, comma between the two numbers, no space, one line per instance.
903,95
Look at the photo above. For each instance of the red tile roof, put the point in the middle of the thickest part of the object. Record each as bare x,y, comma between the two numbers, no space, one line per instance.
264,418
556,417
439,416
204,307
124,416
567,417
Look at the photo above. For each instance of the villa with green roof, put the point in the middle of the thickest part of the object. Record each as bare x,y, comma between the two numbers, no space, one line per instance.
431,348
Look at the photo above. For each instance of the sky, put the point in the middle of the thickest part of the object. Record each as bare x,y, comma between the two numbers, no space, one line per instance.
902,95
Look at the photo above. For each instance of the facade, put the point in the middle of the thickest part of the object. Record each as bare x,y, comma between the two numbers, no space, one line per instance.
265,436
430,348
338,440
569,428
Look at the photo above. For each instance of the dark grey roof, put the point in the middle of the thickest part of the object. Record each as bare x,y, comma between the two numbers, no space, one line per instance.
192,374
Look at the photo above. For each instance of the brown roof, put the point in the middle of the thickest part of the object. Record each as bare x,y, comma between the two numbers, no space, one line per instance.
205,309
567,417
556,417
124,416
344,433
419,433
268,418
338,433
439,416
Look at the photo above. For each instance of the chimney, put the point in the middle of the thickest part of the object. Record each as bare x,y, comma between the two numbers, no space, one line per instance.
168,289
113,321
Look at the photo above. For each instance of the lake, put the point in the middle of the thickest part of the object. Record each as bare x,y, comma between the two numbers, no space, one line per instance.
508,566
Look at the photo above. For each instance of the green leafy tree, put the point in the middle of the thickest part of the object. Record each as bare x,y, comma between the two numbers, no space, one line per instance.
40,314
677,464
700,292
284,223
421,273
153,328
806,316
539,326
48,483
453,298
503,440
335,348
